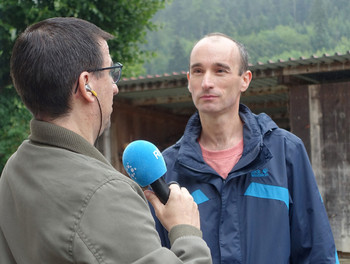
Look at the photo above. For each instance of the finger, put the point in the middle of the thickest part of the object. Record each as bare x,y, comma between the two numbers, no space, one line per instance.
173,182
186,194
184,190
174,186
153,199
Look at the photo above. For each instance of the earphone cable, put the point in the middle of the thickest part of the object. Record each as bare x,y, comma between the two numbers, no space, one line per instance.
99,106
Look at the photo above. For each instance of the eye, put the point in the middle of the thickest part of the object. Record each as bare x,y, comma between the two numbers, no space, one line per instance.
115,73
112,73
221,70
196,70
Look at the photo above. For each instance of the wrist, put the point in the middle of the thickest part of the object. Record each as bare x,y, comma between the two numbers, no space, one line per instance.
183,230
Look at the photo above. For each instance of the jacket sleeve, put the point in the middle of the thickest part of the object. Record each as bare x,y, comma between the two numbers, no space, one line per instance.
162,232
117,227
311,236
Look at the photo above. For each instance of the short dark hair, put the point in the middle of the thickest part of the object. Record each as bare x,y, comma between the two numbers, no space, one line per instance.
242,50
48,58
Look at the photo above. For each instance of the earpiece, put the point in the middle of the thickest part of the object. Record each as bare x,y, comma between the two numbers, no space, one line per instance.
88,88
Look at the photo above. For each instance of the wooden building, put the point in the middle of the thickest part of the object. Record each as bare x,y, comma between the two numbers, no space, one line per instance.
307,96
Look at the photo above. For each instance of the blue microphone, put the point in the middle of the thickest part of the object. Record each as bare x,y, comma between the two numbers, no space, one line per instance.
145,165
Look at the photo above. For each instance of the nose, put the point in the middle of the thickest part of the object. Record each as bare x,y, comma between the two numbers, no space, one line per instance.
207,81
115,89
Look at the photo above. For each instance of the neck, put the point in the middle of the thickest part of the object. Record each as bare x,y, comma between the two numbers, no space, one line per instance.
80,122
221,132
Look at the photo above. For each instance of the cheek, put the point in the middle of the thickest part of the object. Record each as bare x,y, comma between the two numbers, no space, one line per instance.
108,87
194,85
189,88
195,93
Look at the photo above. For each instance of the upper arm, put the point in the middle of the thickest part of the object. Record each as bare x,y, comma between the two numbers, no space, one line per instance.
116,224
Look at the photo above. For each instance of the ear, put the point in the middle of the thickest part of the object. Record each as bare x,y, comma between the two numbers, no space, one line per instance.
246,78
83,80
188,81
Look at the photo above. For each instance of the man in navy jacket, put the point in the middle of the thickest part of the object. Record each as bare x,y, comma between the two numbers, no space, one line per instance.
253,182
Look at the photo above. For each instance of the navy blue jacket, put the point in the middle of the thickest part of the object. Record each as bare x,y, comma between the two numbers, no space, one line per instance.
268,210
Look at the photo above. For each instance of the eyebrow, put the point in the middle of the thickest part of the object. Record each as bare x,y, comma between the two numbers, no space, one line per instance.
223,65
196,65
218,64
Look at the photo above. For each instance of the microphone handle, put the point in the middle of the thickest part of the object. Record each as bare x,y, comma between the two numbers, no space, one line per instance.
161,189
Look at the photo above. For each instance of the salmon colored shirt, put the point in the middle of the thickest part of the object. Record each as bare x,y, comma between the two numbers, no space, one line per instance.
224,160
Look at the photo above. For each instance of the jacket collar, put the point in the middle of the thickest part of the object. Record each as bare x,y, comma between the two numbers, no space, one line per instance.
52,135
254,152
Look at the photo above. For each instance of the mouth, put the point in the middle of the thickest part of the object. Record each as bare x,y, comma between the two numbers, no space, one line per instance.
208,96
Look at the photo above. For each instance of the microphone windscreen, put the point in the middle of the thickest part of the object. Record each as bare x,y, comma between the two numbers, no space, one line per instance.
143,162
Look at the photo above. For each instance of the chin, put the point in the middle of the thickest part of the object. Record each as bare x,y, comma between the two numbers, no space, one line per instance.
207,110
108,124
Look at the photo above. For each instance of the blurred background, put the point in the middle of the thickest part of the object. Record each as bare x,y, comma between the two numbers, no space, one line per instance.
154,38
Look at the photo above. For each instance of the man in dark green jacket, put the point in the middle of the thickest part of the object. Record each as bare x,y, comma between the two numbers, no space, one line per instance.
60,200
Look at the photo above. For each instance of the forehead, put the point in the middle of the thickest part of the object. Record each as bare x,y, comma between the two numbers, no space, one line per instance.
215,49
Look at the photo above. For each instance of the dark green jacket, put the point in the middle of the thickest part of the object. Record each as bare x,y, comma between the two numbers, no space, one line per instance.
62,202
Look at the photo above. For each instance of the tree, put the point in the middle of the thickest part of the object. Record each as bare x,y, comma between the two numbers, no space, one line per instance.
319,22
13,122
178,57
270,29
127,20
276,42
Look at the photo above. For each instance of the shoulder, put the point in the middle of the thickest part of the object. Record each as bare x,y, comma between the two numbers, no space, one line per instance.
172,150
283,143
286,136
270,131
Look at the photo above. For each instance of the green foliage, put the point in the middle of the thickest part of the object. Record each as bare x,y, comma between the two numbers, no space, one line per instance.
127,20
13,122
270,29
178,56
279,41
319,37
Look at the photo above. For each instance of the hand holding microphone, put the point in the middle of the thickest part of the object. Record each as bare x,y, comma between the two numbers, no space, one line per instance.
180,208
145,165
